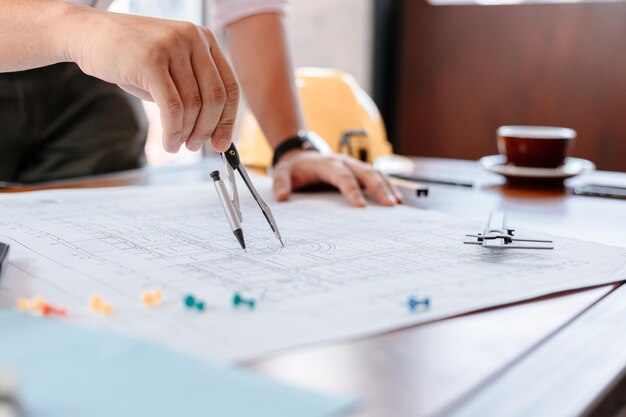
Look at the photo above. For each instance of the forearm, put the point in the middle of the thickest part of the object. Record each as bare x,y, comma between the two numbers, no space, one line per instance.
32,33
263,65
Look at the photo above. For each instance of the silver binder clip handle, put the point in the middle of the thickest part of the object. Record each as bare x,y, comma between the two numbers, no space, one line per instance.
234,193
498,236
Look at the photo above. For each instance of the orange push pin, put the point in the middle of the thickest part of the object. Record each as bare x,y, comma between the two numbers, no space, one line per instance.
151,298
96,303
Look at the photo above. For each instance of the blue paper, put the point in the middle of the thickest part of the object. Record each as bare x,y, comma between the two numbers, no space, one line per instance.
69,371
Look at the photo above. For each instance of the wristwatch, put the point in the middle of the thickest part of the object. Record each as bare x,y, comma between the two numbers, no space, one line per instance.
299,141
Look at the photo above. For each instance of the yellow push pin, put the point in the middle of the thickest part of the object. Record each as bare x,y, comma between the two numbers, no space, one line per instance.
33,304
151,298
23,304
96,303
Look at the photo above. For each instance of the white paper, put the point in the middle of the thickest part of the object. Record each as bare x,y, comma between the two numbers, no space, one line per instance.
344,272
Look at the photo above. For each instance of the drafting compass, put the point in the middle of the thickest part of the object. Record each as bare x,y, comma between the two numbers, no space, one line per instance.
498,236
230,201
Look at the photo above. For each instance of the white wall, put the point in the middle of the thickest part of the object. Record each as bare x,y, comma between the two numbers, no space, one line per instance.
330,33
334,33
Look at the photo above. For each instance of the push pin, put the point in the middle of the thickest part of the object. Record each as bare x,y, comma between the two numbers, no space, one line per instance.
151,298
191,302
239,300
413,303
48,310
33,304
97,304
39,305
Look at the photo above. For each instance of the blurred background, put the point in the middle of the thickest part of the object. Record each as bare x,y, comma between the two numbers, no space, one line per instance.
446,73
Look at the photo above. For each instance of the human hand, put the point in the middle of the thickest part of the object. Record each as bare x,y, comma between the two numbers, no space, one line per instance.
300,168
178,65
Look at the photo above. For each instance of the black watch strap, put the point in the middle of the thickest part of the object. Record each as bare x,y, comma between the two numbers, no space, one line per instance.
300,141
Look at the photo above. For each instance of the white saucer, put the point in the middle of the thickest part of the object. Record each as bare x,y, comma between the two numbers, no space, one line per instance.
572,167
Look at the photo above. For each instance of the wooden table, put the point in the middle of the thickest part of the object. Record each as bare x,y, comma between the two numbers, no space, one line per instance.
425,369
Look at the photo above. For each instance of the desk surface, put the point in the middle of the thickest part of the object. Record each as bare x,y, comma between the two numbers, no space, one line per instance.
424,369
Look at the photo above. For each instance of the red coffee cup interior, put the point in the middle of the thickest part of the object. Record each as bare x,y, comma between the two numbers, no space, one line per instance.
535,146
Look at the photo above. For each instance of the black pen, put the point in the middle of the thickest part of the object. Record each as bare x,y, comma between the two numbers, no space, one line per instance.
606,191
4,257
229,210
457,183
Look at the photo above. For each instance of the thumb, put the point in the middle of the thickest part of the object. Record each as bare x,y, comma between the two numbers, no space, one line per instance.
282,183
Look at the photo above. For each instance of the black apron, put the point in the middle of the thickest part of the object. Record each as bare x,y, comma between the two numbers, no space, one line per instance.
57,122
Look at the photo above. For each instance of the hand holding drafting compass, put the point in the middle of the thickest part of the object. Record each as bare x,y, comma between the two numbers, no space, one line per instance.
498,236
230,201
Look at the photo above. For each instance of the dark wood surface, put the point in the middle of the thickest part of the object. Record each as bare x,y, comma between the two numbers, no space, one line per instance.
463,71
425,369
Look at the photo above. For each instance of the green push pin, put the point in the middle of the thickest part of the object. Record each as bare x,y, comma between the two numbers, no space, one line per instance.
191,302
239,300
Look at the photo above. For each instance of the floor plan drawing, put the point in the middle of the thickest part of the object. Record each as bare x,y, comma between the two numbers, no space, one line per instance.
343,272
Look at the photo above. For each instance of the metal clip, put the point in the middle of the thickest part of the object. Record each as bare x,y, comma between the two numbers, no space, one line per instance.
498,236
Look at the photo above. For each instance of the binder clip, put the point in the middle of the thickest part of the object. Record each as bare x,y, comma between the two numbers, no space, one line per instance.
498,236
356,144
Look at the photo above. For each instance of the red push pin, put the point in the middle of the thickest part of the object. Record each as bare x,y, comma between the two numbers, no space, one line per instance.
48,310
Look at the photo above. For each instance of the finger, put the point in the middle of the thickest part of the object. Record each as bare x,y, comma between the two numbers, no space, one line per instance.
372,182
343,178
282,183
212,91
222,136
185,81
165,94
393,188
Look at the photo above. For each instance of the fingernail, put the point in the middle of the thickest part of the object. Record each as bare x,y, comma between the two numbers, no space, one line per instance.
222,143
173,148
361,201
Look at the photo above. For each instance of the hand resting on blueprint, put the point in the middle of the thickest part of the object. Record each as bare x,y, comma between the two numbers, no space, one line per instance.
300,168
263,65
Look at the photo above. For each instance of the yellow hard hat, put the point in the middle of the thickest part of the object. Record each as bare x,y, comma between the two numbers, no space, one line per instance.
336,108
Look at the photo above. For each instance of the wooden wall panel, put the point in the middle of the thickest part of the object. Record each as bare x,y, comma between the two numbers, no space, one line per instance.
465,70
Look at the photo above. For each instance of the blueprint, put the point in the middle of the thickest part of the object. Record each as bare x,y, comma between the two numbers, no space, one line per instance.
343,273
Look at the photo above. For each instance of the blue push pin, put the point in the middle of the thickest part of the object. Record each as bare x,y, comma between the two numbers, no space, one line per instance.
191,302
239,300
413,303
